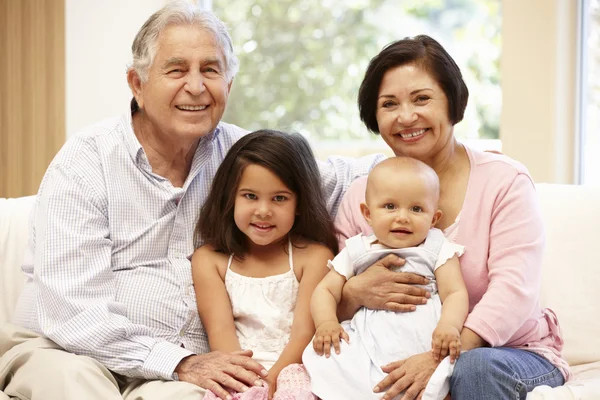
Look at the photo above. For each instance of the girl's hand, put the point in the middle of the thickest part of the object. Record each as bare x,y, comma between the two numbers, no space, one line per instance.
445,340
409,376
327,333
271,381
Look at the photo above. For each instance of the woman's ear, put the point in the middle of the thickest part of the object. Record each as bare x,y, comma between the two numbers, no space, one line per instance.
364,209
436,217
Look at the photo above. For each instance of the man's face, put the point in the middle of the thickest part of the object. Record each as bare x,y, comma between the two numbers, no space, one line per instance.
187,89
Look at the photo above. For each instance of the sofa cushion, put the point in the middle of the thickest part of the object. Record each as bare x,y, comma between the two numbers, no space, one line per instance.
14,228
571,280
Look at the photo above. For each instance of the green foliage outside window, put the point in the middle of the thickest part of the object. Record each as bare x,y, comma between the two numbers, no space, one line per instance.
302,61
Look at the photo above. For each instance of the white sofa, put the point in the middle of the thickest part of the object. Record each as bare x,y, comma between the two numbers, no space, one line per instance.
571,277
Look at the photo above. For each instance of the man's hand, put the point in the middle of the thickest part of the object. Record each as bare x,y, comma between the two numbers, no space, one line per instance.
216,370
328,333
378,288
445,340
410,375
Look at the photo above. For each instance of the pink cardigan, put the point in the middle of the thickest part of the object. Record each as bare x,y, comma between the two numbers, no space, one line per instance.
501,227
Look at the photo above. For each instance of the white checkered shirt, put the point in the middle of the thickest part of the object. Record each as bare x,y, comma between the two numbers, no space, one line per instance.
107,268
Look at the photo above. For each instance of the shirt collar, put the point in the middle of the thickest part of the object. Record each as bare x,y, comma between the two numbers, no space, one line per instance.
135,149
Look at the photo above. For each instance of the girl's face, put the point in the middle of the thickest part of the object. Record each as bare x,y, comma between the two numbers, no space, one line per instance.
412,113
264,208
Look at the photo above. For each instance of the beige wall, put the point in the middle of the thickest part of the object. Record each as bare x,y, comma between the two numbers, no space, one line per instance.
538,72
32,91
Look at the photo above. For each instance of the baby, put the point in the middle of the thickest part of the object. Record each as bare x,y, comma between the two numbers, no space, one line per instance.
402,208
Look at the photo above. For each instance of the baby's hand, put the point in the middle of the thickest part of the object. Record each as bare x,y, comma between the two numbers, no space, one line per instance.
446,340
329,332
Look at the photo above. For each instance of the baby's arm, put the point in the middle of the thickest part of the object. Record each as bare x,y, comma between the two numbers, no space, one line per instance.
455,307
323,307
212,300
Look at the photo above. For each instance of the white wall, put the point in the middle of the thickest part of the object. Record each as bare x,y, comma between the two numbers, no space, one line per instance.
98,50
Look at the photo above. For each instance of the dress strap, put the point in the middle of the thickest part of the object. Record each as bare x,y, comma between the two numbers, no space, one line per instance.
290,253
229,262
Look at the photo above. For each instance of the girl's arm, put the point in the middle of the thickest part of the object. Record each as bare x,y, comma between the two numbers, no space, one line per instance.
213,302
313,270
455,307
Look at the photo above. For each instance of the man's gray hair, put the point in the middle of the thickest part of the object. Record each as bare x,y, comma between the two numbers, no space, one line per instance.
179,12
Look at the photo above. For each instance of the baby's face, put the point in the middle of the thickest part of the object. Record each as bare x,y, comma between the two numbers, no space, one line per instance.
402,209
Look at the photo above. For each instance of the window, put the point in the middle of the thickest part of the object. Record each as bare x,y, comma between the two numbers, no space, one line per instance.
302,61
590,92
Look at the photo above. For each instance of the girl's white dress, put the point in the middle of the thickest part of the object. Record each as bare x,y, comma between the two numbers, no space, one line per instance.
263,310
378,337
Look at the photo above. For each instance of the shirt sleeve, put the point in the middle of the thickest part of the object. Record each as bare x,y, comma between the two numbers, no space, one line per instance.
349,221
447,251
514,264
337,173
76,301
342,264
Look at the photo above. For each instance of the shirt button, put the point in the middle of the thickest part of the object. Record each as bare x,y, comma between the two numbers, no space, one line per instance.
182,333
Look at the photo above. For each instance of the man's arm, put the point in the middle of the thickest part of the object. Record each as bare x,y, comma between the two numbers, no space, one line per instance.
76,302
337,173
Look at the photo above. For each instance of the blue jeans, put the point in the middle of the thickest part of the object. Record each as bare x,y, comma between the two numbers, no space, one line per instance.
501,373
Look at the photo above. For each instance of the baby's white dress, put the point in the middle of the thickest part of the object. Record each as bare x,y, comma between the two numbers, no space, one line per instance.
378,337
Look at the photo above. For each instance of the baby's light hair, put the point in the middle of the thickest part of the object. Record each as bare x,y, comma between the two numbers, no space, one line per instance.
406,164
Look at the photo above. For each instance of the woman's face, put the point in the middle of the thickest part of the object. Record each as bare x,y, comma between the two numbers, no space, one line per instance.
412,113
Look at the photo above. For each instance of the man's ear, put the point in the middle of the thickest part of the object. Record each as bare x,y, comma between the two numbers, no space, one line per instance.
364,209
436,217
135,84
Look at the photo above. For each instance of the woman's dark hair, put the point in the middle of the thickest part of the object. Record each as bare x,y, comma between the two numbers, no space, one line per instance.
424,52
288,156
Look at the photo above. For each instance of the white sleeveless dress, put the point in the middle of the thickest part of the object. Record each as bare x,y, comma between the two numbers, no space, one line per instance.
263,310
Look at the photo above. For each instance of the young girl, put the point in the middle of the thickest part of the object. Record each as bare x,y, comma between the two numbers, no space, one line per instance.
402,208
267,237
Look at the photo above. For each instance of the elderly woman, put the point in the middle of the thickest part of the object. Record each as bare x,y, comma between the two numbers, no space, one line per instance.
412,95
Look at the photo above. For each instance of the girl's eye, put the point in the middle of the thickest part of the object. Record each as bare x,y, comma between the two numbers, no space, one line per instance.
389,206
422,99
416,209
280,198
250,196
388,104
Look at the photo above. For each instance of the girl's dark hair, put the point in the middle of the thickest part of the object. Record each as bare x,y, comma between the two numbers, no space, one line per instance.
288,156
424,52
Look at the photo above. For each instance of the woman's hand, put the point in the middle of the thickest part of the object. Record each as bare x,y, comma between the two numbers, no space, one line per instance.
378,288
410,375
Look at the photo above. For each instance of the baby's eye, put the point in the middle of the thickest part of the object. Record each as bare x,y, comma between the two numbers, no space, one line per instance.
416,209
389,206
250,196
279,198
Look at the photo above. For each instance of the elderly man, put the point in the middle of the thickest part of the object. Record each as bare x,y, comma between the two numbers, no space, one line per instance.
108,310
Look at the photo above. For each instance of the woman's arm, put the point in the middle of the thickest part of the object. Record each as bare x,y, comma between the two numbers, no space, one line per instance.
514,264
314,268
214,307
379,288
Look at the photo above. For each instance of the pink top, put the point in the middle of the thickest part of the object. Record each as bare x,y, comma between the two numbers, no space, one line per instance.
501,227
